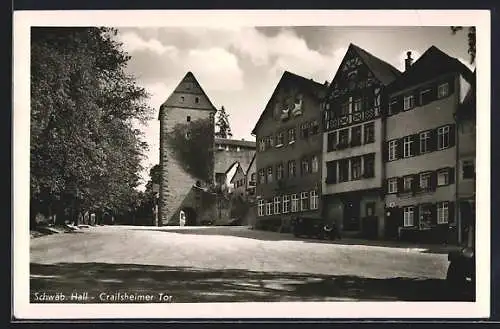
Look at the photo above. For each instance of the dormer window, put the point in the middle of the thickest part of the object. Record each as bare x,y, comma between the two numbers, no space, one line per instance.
425,96
409,102
443,90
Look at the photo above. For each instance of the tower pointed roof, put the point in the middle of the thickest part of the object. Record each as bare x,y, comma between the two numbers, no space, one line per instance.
188,87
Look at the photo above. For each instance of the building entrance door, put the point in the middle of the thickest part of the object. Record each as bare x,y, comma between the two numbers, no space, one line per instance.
351,214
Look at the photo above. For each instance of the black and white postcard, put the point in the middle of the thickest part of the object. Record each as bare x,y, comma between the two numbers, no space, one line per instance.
251,164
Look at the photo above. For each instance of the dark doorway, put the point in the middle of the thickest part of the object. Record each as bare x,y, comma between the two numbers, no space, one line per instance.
351,213
191,216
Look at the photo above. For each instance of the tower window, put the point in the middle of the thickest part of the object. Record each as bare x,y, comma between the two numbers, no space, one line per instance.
188,119
182,99
197,100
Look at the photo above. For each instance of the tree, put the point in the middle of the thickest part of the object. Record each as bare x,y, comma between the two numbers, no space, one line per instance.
222,123
85,151
471,37
193,147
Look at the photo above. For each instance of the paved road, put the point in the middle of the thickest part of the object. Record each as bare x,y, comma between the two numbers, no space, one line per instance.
205,264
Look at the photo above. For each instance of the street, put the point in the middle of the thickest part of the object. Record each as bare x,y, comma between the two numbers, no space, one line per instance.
231,264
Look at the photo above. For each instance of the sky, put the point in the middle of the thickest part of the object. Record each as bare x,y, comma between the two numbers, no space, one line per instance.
239,67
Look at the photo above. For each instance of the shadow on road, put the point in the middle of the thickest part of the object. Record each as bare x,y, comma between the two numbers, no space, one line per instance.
245,232
187,284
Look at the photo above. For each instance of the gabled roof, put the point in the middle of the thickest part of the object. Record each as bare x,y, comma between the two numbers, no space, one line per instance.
382,71
303,84
431,64
191,78
238,169
236,142
250,165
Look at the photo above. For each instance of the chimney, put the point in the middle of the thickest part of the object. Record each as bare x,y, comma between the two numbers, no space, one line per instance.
408,60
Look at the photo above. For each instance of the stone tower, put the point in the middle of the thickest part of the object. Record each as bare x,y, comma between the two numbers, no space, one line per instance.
187,103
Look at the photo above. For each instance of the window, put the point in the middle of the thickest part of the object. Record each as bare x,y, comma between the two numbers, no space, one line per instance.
393,104
331,141
305,166
304,128
425,180
188,118
182,99
262,176
369,133
443,137
345,108
277,205
443,90
409,102
314,164
197,100
269,174
343,137
425,96
356,136
408,216
443,177
407,146
269,208
369,165
291,135
291,168
304,201
295,203
343,170
468,169
392,185
314,200
262,145
314,127
407,183
279,171
442,212
425,138
392,150
356,168
279,140
260,208
286,204
331,172
357,105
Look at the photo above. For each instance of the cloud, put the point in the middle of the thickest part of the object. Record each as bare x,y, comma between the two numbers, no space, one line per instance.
133,42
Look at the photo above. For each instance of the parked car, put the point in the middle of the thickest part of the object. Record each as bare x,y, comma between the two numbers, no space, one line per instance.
314,228
461,274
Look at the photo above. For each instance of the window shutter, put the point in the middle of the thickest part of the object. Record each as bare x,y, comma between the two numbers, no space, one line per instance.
433,140
433,94
451,175
452,135
400,184
399,148
399,213
385,152
433,182
415,146
384,187
416,219
451,212
415,184
433,208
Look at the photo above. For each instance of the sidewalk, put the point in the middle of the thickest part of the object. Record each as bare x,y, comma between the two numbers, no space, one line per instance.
429,248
